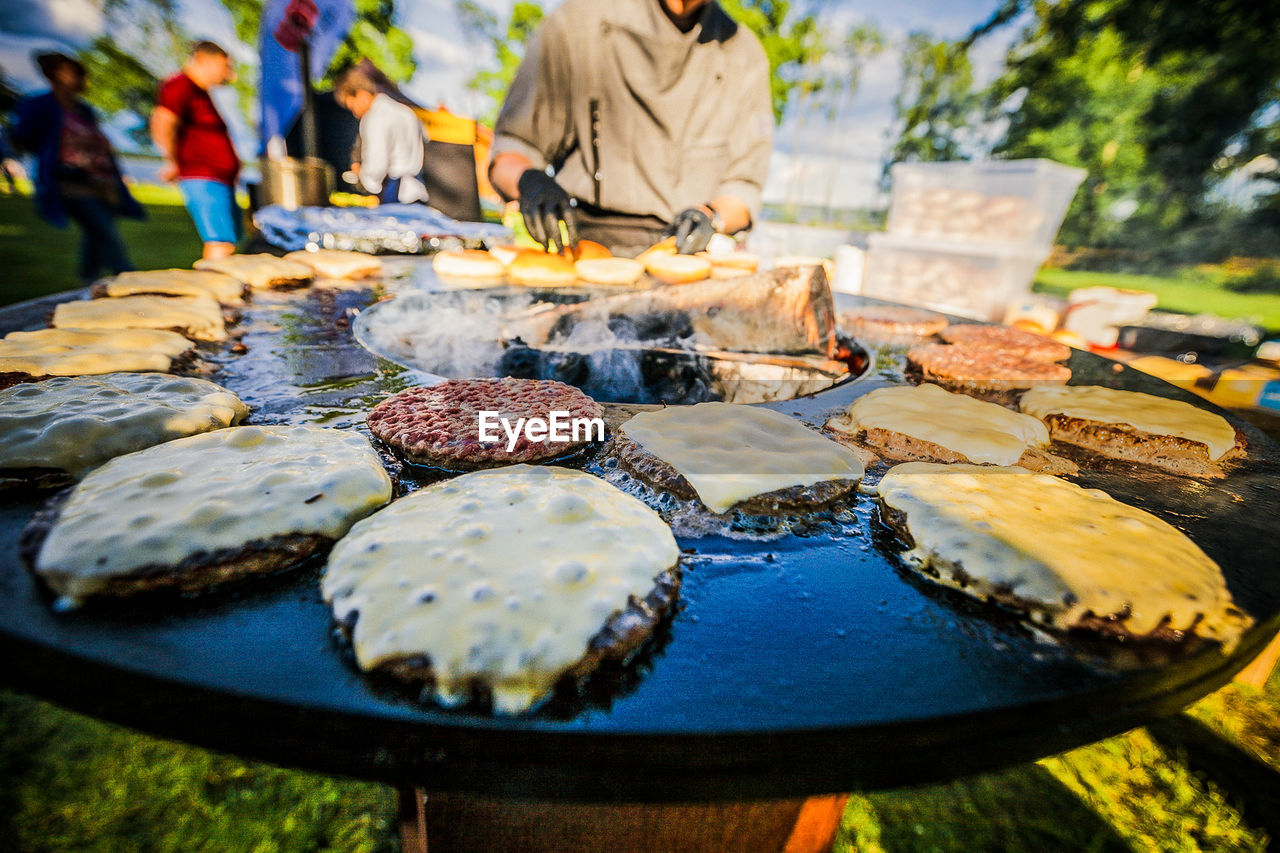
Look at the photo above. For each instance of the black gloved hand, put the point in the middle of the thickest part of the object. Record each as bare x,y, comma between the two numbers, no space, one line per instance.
692,228
544,204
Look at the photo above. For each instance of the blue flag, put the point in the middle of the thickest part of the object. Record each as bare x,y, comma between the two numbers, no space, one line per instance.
280,84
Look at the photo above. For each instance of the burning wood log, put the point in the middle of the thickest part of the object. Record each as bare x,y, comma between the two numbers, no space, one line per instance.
777,311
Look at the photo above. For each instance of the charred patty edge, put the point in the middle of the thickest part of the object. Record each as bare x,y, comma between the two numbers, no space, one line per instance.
623,635
900,447
1170,453
1109,626
201,572
658,474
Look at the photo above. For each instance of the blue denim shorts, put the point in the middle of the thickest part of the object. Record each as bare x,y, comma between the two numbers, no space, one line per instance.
212,205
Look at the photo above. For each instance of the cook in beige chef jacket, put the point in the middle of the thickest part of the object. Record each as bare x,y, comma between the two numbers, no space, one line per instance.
654,115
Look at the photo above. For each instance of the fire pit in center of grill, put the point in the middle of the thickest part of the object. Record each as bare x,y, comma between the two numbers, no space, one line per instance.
769,336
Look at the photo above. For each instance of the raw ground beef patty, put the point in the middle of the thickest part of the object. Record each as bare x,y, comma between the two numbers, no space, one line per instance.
440,425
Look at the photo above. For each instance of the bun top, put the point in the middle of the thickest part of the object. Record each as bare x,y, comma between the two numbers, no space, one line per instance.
588,250
531,266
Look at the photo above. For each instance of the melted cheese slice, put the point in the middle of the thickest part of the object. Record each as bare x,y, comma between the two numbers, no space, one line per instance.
730,453
502,576
175,282
76,424
1069,550
335,263
199,316
220,490
75,352
980,431
1146,412
258,271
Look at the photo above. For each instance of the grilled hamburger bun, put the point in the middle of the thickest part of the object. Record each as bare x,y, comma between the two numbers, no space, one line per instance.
621,272
533,268
677,269
468,266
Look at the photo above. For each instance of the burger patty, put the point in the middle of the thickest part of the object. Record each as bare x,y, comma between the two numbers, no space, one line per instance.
198,573
100,290
188,363
891,325
1177,455
660,475
900,447
624,634
16,377
440,425
1108,625
983,371
230,315
1017,341
33,479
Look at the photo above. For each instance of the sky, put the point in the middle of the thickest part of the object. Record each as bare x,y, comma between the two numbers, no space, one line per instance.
814,162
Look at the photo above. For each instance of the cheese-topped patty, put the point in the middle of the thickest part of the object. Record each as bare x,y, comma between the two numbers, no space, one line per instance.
259,271
1066,552
1146,412
209,493
335,263
175,282
502,577
74,352
730,453
77,423
980,431
198,316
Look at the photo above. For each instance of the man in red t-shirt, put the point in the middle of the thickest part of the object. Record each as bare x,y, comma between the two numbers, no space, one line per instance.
189,131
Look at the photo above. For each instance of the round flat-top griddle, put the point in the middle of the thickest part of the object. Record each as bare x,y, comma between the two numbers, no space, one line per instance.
802,662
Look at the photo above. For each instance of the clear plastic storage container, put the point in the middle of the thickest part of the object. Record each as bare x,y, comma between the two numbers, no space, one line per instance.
993,201
972,280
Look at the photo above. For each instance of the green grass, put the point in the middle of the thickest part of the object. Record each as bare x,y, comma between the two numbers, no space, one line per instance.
38,259
1186,293
69,783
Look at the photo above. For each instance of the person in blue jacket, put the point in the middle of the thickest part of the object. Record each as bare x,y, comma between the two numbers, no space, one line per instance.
77,177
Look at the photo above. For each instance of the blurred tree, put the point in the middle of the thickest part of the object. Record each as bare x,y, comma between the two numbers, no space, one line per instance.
143,40
119,81
373,34
937,106
794,44
1086,103
508,46
1188,88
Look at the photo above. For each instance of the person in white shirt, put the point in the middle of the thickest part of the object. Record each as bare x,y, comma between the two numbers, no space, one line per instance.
391,140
